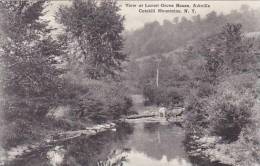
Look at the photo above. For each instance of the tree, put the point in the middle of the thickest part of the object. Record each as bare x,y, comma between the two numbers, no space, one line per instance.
29,74
227,53
95,29
29,52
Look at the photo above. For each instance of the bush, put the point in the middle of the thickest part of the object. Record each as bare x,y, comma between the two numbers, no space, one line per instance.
230,112
205,89
223,109
149,94
94,100
103,101
197,117
20,131
22,119
168,96
174,97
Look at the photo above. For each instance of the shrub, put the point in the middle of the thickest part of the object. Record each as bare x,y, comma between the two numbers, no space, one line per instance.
168,96
230,113
205,89
197,117
149,94
103,101
20,131
174,97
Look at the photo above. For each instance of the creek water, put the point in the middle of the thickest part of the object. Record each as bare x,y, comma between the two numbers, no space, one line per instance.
137,144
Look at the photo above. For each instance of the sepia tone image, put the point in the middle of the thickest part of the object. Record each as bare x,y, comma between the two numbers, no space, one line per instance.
129,83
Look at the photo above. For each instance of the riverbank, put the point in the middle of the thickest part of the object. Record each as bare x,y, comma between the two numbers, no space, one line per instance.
201,147
74,107
152,143
22,151
64,122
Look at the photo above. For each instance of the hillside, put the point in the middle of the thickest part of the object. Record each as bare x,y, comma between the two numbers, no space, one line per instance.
155,39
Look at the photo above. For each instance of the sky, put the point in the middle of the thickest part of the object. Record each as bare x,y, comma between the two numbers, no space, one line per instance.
135,20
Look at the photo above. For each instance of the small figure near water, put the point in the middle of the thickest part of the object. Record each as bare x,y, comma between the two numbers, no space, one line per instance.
162,112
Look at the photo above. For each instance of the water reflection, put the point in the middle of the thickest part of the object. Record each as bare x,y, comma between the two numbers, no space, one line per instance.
131,145
136,158
156,144
101,147
157,140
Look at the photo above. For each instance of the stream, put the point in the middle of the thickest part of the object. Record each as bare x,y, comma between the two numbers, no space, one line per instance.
135,144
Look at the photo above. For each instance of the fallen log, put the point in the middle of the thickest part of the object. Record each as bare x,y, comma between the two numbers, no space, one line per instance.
140,116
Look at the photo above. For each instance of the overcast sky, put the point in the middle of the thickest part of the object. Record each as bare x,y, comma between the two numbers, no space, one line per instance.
135,20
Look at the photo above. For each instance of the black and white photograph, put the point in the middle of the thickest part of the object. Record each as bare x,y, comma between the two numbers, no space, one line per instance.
129,83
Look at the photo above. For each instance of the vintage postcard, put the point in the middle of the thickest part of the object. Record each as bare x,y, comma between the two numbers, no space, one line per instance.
129,83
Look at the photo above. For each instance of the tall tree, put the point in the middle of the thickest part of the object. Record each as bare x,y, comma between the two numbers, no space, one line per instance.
227,52
28,52
29,75
94,29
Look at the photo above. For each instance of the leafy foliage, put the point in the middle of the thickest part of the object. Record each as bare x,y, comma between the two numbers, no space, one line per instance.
225,109
213,78
35,82
29,52
30,76
95,31
230,113
227,53
104,101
